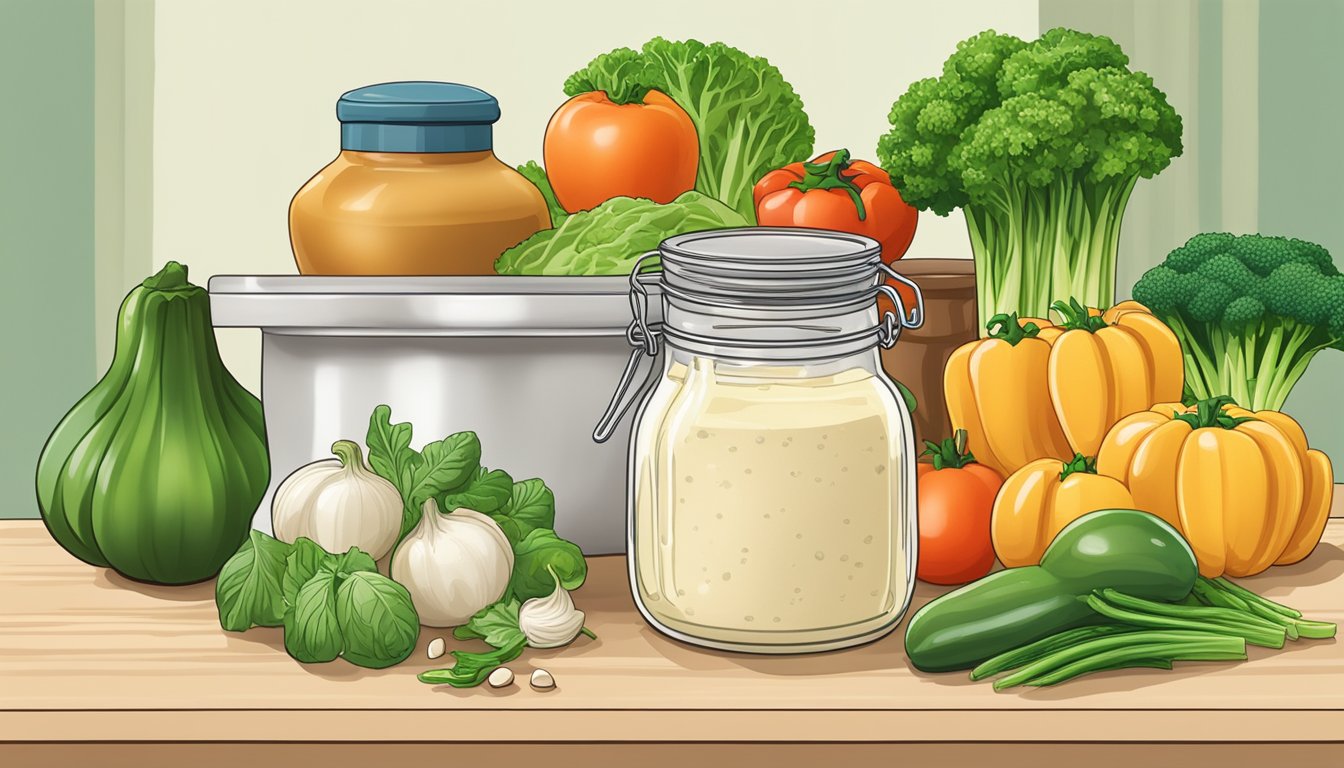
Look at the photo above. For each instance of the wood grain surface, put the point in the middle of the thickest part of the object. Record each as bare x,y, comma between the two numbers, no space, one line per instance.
89,657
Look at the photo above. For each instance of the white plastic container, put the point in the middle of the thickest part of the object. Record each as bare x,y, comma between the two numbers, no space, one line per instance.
525,362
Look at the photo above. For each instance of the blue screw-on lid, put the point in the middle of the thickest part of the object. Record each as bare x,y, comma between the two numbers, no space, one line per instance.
416,116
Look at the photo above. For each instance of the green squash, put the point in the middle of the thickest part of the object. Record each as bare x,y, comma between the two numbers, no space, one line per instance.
1122,549
157,471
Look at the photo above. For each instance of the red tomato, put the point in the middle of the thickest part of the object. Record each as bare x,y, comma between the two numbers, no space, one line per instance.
596,149
833,193
955,504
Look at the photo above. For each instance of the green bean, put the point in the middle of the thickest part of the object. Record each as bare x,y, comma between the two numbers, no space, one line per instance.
1251,597
1252,634
1315,630
1227,616
1210,594
1213,648
1028,653
1160,640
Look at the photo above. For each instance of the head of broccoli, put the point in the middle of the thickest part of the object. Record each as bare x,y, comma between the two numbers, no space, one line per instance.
1040,144
1251,311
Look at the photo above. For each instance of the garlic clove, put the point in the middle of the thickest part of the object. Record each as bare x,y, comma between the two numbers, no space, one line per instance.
500,678
542,680
453,565
436,648
551,621
338,503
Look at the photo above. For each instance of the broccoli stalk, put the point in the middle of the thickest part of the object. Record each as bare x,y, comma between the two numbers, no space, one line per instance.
1040,144
1251,312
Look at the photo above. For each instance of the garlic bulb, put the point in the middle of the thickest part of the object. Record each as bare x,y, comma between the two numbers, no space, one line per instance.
453,565
551,621
338,503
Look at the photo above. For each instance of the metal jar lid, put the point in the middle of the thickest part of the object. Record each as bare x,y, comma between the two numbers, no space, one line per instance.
760,292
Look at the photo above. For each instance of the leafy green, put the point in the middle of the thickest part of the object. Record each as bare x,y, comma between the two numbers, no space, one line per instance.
355,559
608,239
440,466
533,172
305,558
248,592
471,669
495,624
377,620
1040,144
531,557
312,634
747,117
531,506
486,492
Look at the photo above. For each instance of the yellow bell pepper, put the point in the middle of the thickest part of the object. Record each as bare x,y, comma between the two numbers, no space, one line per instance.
996,390
1038,500
1034,389
1107,366
1243,488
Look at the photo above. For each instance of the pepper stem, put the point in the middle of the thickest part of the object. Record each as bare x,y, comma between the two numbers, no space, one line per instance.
1009,329
1076,317
349,454
829,174
1078,464
951,453
1209,414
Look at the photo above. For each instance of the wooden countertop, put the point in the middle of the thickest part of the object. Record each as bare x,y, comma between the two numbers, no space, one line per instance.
89,660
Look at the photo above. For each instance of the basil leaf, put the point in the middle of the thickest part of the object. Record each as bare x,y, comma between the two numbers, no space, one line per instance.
377,620
312,634
442,465
390,452
305,558
537,550
248,592
486,492
532,505
495,624
354,560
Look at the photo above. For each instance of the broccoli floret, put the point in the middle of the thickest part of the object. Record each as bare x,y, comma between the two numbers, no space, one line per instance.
1250,311
1040,144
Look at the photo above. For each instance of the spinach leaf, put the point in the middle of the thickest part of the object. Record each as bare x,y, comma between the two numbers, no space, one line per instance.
472,669
538,550
305,558
376,619
390,452
495,624
532,505
312,634
485,492
248,592
353,561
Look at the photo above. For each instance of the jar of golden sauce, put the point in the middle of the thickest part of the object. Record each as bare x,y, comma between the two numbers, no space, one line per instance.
416,189
772,464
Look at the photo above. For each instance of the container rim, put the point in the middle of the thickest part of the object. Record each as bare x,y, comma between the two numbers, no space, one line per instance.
481,306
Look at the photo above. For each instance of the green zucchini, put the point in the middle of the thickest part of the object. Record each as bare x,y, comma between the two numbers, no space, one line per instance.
1123,549
157,471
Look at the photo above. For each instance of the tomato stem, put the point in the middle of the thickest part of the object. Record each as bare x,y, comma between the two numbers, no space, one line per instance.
951,453
1009,329
830,174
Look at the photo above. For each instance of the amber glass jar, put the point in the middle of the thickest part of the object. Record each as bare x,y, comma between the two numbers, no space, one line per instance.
416,189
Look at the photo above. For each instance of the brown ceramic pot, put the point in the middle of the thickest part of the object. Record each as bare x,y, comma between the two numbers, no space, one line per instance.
919,357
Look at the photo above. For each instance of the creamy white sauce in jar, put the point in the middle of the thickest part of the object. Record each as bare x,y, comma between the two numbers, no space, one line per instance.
770,510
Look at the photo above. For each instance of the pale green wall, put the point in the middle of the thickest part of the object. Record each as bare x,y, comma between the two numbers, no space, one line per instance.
1302,172
46,229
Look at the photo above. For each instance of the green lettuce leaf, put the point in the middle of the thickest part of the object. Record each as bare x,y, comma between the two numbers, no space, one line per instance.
608,239
533,172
